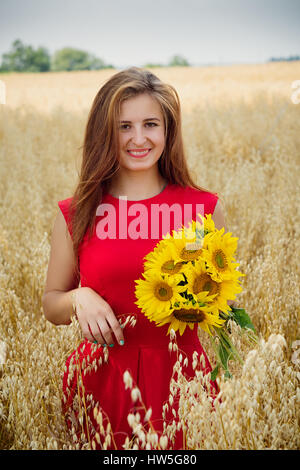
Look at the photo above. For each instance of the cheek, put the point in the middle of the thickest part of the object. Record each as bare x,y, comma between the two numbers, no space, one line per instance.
122,140
160,138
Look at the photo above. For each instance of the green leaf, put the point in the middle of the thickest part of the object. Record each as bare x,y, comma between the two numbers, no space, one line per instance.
214,373
227,375
242,318
224,356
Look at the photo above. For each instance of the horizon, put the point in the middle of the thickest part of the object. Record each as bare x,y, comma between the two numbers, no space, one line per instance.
210,34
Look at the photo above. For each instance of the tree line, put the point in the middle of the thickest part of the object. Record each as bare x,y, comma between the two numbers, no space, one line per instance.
24,58
285,59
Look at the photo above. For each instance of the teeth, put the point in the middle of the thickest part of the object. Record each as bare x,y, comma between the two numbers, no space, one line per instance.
138,153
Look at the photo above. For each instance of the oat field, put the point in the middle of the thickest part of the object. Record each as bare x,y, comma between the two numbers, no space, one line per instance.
242,135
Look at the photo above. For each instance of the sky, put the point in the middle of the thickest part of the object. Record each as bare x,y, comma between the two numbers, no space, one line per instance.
135,32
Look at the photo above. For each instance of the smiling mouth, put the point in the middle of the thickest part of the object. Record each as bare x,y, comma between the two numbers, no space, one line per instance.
139,153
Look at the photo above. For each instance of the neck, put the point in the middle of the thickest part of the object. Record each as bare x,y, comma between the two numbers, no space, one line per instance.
137,185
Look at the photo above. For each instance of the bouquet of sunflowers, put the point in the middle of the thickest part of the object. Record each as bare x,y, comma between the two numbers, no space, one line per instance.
188,279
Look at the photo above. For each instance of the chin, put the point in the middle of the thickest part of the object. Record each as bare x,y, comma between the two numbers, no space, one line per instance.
140,165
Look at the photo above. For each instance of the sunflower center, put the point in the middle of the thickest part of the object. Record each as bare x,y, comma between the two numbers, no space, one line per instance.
163,291
189,255
170,267
189,315
204,282
220,260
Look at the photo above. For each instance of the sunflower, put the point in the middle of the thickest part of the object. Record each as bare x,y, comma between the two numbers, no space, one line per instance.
157,292
189,241
161,260
218,255
199,280
160,245
185,245
201,229
175,234
207,222
189,313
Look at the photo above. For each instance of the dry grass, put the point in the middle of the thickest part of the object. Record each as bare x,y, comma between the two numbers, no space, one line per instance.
242,138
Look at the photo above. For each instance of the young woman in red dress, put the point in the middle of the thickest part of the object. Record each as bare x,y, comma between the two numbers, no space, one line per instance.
133,160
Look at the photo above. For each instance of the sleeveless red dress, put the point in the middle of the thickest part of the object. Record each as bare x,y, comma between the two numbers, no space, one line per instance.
110,266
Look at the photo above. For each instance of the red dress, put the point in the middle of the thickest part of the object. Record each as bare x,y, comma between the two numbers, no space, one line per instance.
110,266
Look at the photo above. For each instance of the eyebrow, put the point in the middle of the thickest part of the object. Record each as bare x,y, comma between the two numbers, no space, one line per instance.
148,119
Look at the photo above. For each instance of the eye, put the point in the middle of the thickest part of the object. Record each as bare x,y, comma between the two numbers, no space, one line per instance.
126,126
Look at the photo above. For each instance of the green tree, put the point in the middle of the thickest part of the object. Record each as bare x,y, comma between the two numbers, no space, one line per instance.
285,59
75,59
178,60
152,65
23,58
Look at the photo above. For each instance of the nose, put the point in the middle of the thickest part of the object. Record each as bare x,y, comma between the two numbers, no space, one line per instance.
138,136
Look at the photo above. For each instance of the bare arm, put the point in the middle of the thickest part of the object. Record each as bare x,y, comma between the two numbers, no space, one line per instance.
94,314
219,216
61,280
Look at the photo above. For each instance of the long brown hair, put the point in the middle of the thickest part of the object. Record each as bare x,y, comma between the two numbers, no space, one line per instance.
101,148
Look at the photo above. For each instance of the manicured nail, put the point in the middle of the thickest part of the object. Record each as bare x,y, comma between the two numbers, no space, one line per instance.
121,342
95,342
111,345
104,345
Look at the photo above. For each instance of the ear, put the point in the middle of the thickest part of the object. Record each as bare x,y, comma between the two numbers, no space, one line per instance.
219,216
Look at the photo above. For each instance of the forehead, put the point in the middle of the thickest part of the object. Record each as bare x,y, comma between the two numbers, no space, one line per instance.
140,107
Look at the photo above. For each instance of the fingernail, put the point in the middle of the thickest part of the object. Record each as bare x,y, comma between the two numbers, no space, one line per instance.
104,345
121,342
111,345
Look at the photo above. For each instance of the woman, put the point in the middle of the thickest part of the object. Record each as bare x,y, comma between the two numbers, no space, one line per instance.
133,147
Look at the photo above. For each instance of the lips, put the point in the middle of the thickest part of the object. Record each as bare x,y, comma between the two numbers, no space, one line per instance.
138,153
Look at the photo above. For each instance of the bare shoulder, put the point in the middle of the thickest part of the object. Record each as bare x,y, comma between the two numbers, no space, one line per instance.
219,215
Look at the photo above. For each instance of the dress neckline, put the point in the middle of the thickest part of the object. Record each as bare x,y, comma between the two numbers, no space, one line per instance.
162,192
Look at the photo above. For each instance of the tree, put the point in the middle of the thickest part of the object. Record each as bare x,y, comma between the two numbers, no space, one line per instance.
178,60
75,59
285,59
150,65
22,58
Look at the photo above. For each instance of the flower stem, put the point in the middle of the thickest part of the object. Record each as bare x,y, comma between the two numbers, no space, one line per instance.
228,344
